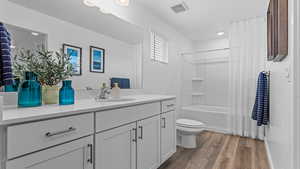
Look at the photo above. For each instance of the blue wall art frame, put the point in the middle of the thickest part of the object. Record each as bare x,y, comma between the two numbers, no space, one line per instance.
97,59
76,58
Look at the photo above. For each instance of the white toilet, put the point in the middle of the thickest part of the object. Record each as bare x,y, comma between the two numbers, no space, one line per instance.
187,131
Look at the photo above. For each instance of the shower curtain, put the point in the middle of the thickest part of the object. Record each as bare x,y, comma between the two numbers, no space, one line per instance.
248,45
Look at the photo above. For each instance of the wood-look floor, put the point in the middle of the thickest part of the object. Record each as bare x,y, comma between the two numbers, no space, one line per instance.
220,151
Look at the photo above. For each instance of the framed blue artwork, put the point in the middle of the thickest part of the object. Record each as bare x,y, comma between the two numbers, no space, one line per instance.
97,59
76,54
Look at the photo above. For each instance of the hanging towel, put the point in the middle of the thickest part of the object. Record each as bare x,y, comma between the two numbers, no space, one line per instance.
6,77
261,108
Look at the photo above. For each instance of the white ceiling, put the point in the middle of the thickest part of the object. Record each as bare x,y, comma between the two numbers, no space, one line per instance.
75,12
201,22
206,17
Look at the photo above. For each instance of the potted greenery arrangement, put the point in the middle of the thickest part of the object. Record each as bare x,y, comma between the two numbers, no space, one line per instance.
24,61
50,67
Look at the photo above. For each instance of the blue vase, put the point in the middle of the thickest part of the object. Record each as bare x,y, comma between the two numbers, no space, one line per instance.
9,88
29,94
66,93
12,88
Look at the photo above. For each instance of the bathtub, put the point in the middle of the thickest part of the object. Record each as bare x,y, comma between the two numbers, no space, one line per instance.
215,117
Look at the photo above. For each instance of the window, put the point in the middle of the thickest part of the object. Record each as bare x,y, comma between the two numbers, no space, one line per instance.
159,48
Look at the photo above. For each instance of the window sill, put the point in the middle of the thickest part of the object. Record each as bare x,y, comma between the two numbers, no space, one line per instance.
158,61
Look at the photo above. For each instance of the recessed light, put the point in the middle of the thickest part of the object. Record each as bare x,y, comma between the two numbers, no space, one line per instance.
90,3
103,10
34,33
123,2
221,33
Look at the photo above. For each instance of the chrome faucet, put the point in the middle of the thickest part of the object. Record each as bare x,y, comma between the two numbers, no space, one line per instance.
104,92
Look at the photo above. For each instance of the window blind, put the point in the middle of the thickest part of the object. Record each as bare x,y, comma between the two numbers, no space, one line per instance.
159,48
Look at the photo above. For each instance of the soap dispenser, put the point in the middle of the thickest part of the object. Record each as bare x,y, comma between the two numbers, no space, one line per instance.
115,91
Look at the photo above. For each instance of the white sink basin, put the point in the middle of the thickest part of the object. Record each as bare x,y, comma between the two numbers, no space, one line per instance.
122,99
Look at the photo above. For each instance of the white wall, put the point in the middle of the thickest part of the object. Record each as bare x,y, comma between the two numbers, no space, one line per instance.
157,77
296,117
279,136
120,57
212,44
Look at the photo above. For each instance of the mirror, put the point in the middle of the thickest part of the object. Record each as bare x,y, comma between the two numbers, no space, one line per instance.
22,38
99,57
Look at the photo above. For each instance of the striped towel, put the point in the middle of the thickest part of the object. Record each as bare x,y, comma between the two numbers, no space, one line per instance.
261,108
6,77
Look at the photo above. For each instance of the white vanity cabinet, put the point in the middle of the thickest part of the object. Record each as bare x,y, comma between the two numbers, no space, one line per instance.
30,137
168,135
138,144
57,143
135,145
128,136
116,148
77,154
168,129
129,146
148,143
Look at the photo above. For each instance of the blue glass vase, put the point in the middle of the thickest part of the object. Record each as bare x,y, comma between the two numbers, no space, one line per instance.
29,94
66,93
12,88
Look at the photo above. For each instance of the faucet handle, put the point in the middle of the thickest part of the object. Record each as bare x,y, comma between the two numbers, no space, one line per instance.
108,91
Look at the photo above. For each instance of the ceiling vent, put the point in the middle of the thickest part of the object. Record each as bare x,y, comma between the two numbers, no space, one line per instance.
179,8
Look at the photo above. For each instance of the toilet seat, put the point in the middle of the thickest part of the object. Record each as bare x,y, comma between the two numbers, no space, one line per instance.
188,123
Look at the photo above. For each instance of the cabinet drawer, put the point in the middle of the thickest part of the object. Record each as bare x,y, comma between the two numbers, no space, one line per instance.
30,137
168,105
117,117
72,155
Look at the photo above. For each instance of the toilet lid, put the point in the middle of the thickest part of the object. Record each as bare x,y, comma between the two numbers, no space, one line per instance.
189,123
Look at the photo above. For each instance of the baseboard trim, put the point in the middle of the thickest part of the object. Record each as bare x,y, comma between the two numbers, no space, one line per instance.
269,154
216,129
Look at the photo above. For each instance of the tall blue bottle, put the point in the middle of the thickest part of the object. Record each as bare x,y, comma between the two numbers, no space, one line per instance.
29,94
14,87
66,93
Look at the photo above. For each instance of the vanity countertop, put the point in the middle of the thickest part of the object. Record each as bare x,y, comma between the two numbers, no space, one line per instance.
12,116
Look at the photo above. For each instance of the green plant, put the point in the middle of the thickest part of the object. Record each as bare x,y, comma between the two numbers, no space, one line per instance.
50,67
24,61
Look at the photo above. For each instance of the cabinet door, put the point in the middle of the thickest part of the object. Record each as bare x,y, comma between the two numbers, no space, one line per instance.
74,155
168,135
116,148
148,147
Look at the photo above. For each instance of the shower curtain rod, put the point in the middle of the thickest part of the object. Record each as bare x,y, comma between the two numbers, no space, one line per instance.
204,51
